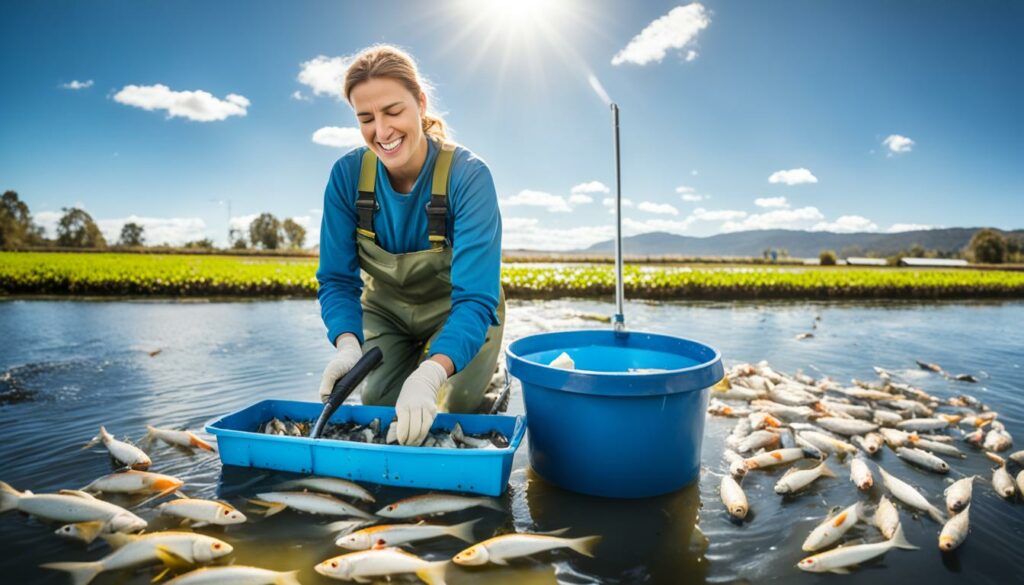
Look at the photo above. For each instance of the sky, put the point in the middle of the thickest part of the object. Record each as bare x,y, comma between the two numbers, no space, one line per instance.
189,117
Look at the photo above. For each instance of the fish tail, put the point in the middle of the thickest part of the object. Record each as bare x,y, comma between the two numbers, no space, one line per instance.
584,545
8,497
937,515
287,578
433,573
900,541
826,471
81,573
463,531
195,441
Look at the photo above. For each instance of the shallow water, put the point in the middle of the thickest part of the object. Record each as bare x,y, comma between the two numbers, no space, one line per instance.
69,366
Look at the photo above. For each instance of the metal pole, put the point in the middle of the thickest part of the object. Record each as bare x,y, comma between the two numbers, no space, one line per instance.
619,322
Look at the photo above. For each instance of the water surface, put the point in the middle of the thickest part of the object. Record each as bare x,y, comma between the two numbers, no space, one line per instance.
69,366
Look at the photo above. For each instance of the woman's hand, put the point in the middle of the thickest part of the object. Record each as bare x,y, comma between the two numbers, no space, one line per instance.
348,354
417,402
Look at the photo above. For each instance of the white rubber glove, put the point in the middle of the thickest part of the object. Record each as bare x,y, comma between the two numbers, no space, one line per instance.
348,354
417,402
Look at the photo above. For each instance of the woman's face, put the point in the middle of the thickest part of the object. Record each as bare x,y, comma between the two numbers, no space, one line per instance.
390,121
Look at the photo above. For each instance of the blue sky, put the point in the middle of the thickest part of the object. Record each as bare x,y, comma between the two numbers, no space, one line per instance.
870,116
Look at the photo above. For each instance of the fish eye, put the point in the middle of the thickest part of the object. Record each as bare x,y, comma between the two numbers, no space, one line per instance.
391,508
381,541
334,564
216,546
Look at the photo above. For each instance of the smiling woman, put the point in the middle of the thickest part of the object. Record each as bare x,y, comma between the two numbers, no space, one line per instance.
419,216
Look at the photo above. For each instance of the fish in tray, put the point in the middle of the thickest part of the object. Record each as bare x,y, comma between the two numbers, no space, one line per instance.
373,433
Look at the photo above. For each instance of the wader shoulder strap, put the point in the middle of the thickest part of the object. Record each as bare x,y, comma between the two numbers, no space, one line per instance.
437,208
366,203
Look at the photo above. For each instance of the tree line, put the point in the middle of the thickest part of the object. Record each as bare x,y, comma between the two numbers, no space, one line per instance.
987,246
77,229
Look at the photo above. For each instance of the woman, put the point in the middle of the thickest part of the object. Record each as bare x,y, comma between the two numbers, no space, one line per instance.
419,216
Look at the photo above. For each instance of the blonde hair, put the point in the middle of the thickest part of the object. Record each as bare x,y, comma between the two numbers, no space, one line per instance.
390,62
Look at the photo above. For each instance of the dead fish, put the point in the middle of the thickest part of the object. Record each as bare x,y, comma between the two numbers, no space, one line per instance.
783,411
388,535
955,530
827,443
906,493
330,485
719,408
923,424
964,378
997,440
841,559
846,426
733,497
435,504
772,458
929,367
922,459
894,438
1017,457
935,446
886,517
1002,481
758,440
500,549
134,551
869,443
184,439
866,394
737,468
791,396
199,512
70,506
134,482
976,438
797,479
123,452
801,336
236,575
762,420
833,528
860,474
308,502
887,417
958,494
854,410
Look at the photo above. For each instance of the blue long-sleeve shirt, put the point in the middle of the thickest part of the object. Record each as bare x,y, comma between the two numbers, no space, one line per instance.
474,229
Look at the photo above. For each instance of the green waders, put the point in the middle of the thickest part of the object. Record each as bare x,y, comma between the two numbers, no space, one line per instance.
407,297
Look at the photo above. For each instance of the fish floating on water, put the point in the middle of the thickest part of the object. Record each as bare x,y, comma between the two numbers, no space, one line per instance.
71,506
183,439
121,451
500,549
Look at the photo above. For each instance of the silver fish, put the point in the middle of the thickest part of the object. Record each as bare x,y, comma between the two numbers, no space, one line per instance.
758,440
833,528
955,531
922,459
733,497
958,494
923,424
846,426
860,474
797,479
839,560
906,493
1002,481
886,518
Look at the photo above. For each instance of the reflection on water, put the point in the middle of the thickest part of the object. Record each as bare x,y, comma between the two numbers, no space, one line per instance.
76,365
648,540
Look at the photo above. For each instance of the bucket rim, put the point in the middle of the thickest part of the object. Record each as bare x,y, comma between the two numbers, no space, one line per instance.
624,384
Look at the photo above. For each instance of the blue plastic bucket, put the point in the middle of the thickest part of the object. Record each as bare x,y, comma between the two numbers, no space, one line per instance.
602,430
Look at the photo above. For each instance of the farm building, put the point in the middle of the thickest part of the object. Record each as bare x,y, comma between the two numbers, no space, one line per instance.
934,262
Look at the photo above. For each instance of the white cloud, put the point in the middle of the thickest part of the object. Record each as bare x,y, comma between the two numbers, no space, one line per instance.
75,84
909,227
580,199
675,30
790,219
527,234
771,202
300,97
846,224
338,137
325,75
717,214
610,202
590,187
898,144
199,105
689,194
156,230
691,55
529,198
793,177
659,208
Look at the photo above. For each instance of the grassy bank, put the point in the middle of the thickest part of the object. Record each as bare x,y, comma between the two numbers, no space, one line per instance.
169,275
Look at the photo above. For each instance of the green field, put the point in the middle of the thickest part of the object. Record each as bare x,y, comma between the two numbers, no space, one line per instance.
186,275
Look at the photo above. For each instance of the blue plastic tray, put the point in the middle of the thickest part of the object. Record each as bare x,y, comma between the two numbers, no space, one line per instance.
479,471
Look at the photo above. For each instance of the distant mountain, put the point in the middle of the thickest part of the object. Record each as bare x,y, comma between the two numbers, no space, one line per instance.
800,244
